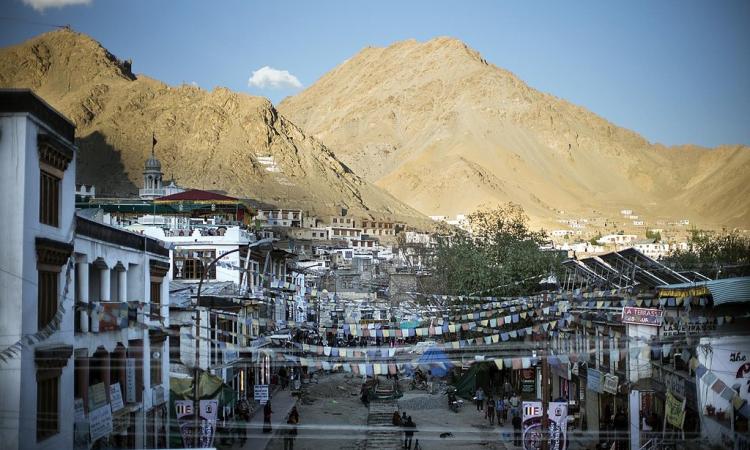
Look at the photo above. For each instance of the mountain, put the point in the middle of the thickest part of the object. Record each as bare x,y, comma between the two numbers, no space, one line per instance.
443,130
218,140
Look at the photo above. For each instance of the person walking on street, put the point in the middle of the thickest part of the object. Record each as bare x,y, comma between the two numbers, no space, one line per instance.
514,403
267,411
291,429
500,411
480,398
517,430
409,429
491,409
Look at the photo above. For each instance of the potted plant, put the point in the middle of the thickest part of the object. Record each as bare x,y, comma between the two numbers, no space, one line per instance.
710,410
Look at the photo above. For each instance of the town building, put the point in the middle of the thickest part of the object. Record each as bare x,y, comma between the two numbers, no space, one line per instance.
37,178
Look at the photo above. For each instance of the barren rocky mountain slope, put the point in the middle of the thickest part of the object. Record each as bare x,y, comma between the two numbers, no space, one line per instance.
218,140
446,132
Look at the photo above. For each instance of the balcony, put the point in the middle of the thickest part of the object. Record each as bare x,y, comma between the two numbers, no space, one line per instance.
152,193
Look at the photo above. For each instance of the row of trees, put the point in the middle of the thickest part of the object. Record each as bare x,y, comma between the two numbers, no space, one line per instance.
714,254
502,256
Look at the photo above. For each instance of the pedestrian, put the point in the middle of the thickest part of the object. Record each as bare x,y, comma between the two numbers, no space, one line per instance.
396,420
517,430
479,398
514,403
500,411
491,409
409,429
291,429
267,411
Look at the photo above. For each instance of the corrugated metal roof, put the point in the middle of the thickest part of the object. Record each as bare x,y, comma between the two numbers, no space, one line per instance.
727,290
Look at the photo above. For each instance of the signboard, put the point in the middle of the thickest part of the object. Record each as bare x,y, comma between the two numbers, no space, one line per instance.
97,396
260,393
209,410
130,380
610,383
80,413
528,380
532,425
115,396
185,412
642,316
674,409
594,381
157,395
557,413
100,422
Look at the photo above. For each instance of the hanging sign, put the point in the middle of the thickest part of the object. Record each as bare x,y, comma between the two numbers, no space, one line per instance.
532,425
130,380
185,418
97,396
642,316
594,381
557,413
674,410
100,422
610,383
260,393
209,409
115,396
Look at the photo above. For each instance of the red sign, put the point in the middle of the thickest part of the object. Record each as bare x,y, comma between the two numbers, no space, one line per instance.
642,316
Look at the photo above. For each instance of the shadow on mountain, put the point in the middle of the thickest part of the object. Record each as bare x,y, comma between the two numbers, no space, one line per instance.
101,164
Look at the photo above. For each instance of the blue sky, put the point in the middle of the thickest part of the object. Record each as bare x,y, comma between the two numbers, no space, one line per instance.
674,71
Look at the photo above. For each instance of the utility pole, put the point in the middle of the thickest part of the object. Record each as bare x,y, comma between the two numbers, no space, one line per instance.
545,400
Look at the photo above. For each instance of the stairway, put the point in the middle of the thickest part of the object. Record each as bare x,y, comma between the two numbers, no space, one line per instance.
381,434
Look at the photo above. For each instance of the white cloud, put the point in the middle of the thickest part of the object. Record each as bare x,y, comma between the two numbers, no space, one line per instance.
268,77
41,5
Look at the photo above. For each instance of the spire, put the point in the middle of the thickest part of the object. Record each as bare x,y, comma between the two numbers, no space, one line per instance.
153,143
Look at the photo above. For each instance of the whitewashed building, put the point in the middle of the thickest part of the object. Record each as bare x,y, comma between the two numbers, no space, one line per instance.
37,178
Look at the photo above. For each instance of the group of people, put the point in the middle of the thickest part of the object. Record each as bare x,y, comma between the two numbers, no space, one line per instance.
290,430
403,421
501,408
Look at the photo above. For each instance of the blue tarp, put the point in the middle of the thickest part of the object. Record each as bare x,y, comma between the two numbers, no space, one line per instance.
436,361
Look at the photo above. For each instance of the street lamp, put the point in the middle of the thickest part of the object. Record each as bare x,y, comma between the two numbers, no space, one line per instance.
196,377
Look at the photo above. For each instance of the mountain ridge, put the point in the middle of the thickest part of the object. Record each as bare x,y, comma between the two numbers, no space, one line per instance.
219,139
403,114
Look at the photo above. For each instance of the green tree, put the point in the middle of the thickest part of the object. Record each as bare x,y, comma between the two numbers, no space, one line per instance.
655,235
501,255
721,254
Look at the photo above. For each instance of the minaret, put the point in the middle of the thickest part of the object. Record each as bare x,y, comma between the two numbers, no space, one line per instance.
152,175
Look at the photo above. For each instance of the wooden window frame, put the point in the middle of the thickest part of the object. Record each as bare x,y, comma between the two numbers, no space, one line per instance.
47,404
50,180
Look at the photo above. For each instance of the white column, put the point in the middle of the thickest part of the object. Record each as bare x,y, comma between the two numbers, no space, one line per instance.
104,294
122,285
83,294
104,284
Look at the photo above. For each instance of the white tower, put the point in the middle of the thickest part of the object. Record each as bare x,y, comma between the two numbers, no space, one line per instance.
152,187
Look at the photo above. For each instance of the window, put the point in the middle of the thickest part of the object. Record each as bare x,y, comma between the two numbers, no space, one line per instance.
155,300
47,416
49,199
189,264
47,297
